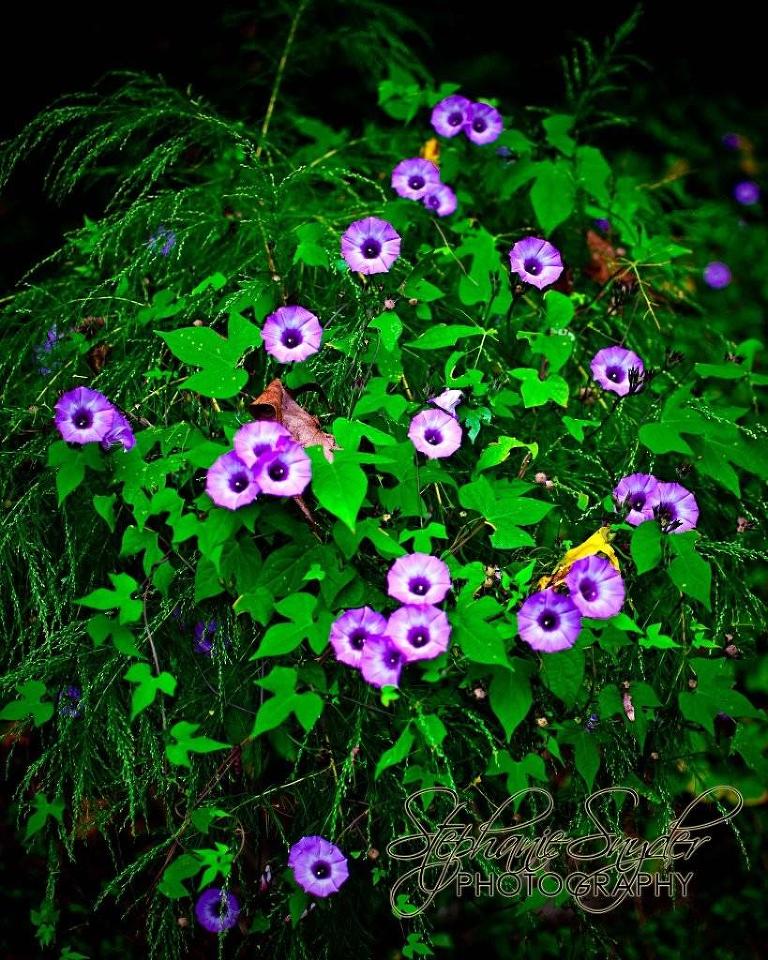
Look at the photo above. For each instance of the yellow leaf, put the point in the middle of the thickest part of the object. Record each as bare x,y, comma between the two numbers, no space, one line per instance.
599,542
431,150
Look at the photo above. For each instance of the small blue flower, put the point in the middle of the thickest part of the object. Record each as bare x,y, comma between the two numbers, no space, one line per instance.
69,701
203,637
164,236
46,347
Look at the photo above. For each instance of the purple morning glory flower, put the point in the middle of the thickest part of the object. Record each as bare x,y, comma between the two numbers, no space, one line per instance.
596,587
449,116
351,631
414,178
636,492
370,245
448,400
483,124
291,334
382,662
435,433
612,368
418,578
231,483
69,701
254,439
319,867
674,507
419,631
216,910
83,415
440,199
717,274
732,141
549,621
119,433
536,261
285,470
747,192
203,637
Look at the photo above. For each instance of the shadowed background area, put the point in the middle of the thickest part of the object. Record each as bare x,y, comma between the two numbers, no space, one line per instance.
695,62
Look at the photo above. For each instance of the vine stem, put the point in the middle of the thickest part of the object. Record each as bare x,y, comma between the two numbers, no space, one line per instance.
279,76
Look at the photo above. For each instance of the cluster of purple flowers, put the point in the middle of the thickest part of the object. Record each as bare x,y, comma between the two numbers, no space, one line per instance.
550,621
319,868
618,370
418,179
83,415
536,261
436,433
291,334
418,630
480,122
647,498
265,459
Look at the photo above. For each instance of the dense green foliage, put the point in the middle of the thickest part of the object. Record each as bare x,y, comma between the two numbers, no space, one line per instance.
195,770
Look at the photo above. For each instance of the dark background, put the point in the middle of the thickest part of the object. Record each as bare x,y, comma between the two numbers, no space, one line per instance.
693,56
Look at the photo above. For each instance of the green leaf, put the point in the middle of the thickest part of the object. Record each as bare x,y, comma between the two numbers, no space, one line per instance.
563,674
556,129
186,742
100,627
505,510
475,285
445,335
499,451
70,463
30,704
119,598
657,640
105,507
478,629
203,347
576,427
285,637
587,757
340,487
714,695
396,753
645,546
553,194
593,173
43,811
182,868
536,392
306,707
559,309
418,288
689,572
510,695
147,686
390,326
